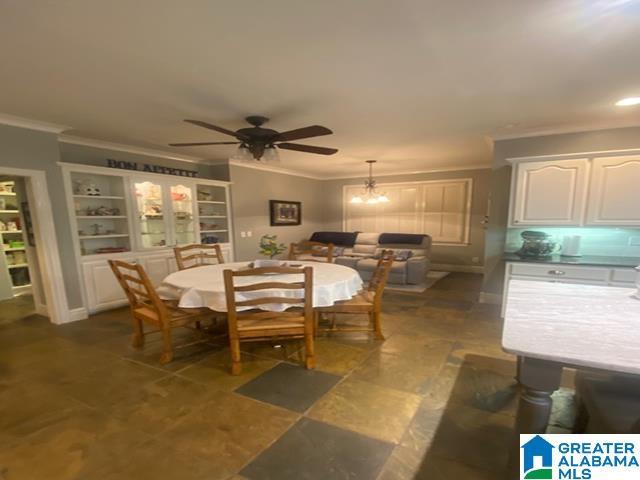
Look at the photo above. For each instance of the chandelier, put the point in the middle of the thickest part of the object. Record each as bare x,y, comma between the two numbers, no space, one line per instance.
370,194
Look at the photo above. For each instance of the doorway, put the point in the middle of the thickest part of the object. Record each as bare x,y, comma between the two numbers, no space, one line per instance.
30,271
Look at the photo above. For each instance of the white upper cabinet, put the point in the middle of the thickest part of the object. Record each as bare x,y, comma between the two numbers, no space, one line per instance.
549,193
614,197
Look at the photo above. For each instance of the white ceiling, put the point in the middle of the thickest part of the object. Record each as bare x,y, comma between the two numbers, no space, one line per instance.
416,84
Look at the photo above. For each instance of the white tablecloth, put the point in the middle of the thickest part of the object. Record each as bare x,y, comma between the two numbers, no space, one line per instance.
204,286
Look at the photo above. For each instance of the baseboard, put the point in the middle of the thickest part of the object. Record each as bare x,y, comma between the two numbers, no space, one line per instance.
445,267
41,309
493,298
76,314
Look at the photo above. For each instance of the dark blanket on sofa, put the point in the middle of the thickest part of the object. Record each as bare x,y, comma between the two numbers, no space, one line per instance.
345,239
401,238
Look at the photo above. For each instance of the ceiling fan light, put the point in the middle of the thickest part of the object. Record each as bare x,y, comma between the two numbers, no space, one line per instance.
270,155
243,153
383,198
356,199
372,200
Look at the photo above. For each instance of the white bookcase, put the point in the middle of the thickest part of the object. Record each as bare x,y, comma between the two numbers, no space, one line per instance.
139,217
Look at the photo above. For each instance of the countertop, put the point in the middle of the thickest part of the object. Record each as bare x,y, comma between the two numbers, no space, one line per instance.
592,260
582,325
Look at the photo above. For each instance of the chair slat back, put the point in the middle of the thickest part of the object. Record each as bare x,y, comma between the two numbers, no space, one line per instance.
307,247
198,254
137,286
305,285
381,274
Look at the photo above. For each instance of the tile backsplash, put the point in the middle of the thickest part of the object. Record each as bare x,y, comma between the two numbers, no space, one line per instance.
595,241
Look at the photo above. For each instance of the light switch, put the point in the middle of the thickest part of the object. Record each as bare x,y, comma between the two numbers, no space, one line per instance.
249,233
243,234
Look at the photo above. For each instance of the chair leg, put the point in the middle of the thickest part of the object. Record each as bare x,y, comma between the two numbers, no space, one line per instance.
377,325
309,350
137,341
198,325
334,317
236,364
167,350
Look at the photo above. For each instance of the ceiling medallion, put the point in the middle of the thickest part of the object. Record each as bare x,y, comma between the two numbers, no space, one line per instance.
370,194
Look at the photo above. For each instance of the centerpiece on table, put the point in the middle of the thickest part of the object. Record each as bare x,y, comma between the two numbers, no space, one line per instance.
269,247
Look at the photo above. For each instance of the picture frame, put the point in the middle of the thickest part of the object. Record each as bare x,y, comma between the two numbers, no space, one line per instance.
284,213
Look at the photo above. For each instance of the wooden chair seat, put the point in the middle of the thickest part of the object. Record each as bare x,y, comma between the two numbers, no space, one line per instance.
151,315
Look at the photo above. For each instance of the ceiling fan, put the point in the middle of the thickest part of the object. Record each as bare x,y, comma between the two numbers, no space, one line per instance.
260,143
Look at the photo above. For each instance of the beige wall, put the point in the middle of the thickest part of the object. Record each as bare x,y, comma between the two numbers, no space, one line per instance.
599,140
458,255
251,191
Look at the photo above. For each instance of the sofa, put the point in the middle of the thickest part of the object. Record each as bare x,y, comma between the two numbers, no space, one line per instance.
359,250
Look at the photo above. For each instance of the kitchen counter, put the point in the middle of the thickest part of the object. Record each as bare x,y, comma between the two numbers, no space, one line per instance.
592,260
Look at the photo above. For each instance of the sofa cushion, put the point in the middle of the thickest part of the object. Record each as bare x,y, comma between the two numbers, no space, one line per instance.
367,238
366,249
346,239
370,264
402,238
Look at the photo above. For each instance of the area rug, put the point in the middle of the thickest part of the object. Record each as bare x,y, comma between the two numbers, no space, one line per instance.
432,278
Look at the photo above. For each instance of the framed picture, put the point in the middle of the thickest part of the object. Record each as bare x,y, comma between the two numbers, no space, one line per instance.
285,213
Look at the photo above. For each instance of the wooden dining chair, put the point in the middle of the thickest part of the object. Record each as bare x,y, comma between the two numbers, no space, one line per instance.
258,324
368,301
198,254
311,251
147,307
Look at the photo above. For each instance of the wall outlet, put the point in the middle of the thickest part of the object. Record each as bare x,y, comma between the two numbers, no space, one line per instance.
634,241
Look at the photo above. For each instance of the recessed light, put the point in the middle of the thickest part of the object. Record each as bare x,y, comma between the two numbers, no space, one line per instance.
629,101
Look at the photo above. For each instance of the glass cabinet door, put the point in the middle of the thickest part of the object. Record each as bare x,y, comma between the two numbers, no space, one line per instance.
182,208
150,205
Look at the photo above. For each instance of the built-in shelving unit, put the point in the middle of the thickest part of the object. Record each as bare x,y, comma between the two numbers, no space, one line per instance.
213,214
155,212
13,249
101,214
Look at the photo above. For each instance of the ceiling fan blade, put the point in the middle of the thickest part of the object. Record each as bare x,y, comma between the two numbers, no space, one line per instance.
307,148
306,132
194,144
212,127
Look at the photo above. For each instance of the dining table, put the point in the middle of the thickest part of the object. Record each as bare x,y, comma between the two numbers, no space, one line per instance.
552,325
203,286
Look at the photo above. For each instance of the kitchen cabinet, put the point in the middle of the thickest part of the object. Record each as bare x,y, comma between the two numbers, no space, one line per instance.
549,193
614,197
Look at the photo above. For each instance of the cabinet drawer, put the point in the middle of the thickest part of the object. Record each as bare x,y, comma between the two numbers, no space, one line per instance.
624,275
561,272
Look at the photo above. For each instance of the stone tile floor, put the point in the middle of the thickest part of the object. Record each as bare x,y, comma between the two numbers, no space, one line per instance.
435,401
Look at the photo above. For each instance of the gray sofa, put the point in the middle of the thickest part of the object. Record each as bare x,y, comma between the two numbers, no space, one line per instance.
358,250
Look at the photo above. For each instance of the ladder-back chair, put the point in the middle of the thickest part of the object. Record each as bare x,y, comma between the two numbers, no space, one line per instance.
147,307
253,324
198,254
367,301
311,251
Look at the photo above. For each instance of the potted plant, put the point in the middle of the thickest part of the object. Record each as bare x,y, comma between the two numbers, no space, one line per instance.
269,247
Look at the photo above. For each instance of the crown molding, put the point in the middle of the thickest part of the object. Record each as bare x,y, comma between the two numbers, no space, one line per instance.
149,152
273,169
556,131
457,168
14,121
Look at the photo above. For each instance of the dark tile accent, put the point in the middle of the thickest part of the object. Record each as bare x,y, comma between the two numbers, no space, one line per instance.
314,450
289,386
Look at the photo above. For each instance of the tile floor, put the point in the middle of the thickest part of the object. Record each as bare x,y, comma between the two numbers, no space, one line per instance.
435,401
